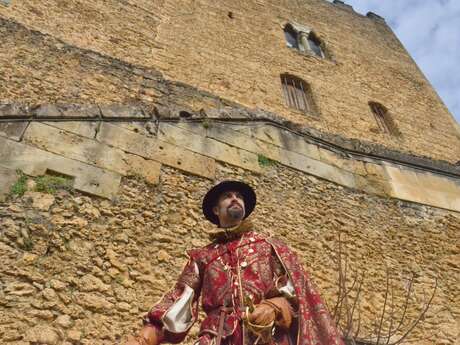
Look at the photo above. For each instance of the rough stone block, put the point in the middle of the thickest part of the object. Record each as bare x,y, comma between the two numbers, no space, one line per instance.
66,111
90,151
422,188
123,111
7,179
14,110
157,150
33,161
199,128
208,147
332,158
13,130
86,129
238,136
317,168
147,128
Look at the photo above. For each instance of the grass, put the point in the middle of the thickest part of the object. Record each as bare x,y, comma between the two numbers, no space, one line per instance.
46,184
20,186
264,161
50,183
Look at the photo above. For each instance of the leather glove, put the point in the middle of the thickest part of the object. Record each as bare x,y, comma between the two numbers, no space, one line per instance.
276,309
263,315
149,335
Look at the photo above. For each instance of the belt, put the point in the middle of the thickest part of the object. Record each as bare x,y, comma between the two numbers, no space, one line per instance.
220,330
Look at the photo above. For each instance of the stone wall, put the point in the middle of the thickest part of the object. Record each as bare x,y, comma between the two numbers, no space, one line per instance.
82,270
236,51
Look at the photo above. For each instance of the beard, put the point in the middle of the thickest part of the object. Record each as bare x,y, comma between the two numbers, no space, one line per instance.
235,213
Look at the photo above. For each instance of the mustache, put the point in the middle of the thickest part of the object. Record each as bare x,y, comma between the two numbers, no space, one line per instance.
235,203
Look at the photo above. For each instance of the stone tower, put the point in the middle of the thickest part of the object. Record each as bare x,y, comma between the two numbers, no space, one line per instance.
117,116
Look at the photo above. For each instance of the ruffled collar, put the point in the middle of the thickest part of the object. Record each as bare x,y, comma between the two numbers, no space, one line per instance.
227,234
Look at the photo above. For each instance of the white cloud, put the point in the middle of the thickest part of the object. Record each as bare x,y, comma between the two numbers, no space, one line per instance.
430,31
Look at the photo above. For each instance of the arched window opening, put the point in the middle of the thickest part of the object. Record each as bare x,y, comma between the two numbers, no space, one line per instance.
297,94
303,39
314,45
291,37
383,119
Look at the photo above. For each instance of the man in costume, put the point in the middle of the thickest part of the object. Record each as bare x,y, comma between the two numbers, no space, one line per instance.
253,288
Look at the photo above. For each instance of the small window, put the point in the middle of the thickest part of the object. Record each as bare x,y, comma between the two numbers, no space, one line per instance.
383,119
291,37
303,39
297,94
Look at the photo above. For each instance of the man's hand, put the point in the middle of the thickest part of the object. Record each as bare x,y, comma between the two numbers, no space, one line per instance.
275,309
263,315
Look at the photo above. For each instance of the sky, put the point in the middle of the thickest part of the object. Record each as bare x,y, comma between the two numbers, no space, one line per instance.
430,31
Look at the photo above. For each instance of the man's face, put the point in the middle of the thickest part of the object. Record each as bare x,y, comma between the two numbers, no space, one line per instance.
230,207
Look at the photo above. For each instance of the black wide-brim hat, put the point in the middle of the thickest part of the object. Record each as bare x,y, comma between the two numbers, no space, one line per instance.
212,196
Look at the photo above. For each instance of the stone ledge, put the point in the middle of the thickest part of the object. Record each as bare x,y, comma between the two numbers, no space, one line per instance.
208,147
158,150
33,161
90,151
244,116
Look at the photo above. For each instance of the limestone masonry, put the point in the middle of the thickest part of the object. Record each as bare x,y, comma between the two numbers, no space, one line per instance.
117,116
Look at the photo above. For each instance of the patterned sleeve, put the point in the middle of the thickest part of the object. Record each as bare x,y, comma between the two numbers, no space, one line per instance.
177,311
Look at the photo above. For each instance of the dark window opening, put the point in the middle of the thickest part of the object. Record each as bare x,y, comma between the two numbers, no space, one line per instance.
297,93
315,45
291,37
383,119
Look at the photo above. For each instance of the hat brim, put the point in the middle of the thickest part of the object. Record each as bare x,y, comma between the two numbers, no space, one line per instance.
212,196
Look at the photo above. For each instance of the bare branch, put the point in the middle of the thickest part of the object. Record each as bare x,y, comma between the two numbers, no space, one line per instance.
406,304
355,302
384,307
421,316
391,313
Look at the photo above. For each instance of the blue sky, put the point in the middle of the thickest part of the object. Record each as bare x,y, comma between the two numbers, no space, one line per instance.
430,31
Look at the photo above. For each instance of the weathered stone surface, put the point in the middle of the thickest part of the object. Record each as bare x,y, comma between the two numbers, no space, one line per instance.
155,149
208,147
42,335
63,110
64,321
40,201
424,188
86,129
93,302
7,179
14,110
107,262
122,111
90,151
13,130
36,162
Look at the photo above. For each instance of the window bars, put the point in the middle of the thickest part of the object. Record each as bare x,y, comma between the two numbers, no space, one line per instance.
297,93
383,118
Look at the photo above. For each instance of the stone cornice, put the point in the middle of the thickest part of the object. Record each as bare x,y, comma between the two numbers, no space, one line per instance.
358,149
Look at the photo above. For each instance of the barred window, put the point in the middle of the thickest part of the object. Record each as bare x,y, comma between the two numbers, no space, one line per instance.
297,93
383,119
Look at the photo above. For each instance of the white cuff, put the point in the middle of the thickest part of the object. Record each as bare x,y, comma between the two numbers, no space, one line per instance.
179,317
